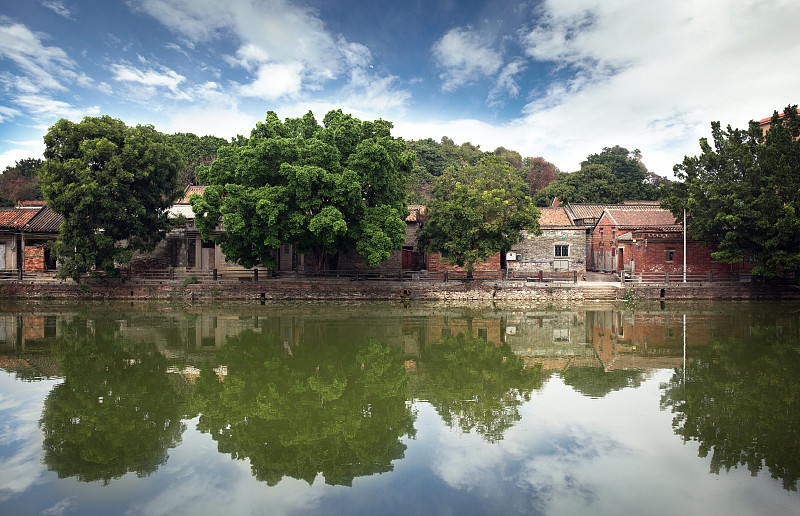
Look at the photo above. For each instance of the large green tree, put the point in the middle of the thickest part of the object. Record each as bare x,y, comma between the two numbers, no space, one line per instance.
113,184
328,189
628,168
591,184
478,211
742,196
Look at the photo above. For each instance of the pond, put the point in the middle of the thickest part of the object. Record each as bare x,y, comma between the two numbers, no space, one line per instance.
391,409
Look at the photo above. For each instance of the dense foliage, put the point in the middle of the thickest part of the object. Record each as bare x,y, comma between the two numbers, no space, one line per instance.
475,385
742,196
611,176
117,410
113,184
478,211
195,151
328,189
20,182
741,403
315,408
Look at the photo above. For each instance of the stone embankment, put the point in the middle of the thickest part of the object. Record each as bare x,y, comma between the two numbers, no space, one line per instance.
332,289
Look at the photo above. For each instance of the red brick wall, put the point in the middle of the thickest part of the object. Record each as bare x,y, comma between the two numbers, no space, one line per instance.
34,259
436,264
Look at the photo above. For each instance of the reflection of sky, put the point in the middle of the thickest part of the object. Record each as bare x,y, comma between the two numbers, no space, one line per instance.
569,454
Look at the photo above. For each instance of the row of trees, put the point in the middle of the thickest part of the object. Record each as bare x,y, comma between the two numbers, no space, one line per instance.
342,186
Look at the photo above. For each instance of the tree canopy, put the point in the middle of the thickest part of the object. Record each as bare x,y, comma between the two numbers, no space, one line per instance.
742,196
20,182
477,211
195,151
113,184
328,189
611,176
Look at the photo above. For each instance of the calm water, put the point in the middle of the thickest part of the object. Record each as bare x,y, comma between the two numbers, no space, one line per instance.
365,409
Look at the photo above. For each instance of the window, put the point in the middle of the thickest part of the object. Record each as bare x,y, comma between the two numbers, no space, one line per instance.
562,251
670,255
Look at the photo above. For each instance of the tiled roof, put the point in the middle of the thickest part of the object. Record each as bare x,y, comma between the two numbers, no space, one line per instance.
554,217
594,211
643,218
181,209
15,218
45,221
191,189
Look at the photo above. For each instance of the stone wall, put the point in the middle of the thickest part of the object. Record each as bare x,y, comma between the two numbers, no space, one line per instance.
537,253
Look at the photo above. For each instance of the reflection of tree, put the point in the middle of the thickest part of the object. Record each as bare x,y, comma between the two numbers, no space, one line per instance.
322,407
742,404
475,385
117,410
596,383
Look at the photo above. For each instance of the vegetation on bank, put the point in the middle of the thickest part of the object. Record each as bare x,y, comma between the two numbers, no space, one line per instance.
343,186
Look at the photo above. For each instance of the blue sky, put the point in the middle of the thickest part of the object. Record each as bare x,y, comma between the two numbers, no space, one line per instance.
560,79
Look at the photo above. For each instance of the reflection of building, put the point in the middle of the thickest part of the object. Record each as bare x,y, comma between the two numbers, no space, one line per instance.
554,339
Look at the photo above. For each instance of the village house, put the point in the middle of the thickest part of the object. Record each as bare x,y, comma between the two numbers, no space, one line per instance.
645,243
560,248
26,232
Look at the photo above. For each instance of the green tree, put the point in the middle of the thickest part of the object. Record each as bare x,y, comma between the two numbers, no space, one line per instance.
475,385
478,211
327,189
592,184
597,383
628,168
742,197
113,184
117,410
195,151
20,182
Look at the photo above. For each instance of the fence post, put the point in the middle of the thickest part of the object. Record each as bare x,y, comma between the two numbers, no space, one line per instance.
255,275
666,276
172,273
540,276
19,273
214,274
445,276
710,276
575,276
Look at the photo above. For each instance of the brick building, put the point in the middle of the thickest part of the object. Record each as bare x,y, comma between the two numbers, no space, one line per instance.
646,242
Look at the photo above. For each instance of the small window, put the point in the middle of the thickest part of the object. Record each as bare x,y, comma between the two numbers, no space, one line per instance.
562,251
670,255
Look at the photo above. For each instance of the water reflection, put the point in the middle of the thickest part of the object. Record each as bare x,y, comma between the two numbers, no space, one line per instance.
321,406
740,400
117,410
476,385
306,391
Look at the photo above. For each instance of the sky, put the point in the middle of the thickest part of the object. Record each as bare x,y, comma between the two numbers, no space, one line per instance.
560,79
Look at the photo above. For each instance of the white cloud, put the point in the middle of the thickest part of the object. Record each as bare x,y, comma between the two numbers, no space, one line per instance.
7,114
464,56
274,81
654,75
275,36
43,67
58,7
506,83
369,91
41,107
166,78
